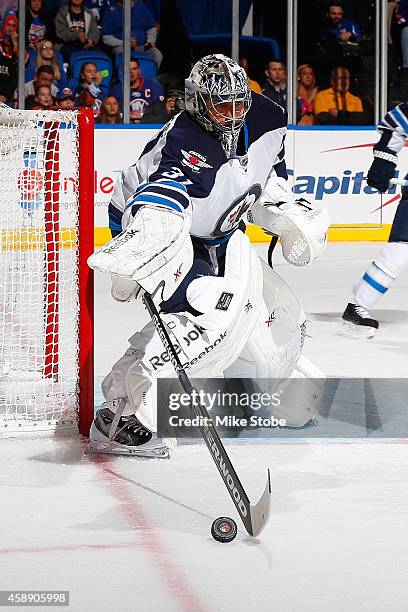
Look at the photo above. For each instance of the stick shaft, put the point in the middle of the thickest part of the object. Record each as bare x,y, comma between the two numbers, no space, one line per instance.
208,431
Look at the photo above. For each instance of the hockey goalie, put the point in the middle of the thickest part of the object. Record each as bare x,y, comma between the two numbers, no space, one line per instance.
177,223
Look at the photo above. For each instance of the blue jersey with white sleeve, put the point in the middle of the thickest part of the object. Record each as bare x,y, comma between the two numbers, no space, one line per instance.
185,167
393,129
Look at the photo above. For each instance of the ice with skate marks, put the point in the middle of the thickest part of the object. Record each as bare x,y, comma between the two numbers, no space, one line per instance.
358,332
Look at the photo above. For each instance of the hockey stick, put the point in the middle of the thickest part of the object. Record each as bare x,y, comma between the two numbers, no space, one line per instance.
255,516
272,245
396,181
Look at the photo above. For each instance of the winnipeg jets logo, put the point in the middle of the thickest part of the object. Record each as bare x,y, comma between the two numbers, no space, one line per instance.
177,273
271,318
248,306
194,160
233,216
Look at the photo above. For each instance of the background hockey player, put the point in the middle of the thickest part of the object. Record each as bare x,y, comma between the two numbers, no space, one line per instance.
393,257
176,220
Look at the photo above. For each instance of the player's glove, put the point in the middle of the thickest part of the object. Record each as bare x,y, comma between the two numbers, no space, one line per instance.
382,170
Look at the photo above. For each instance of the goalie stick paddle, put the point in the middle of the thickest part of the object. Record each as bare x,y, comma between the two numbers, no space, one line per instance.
254,517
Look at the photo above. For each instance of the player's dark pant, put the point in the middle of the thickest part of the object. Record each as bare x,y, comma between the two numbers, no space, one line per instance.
399,229
202,266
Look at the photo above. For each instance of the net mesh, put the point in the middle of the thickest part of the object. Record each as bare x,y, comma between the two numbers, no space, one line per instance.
39,304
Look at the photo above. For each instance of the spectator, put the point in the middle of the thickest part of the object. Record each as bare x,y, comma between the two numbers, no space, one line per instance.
97,8
66,99
52,7
174,43
339,31
43,76
306,93
254,85
76,27
44,99
340,38
110,111
155,8
8,6
391,6
46,56
162,111
336,105
143,92
143,29
37,24
90,91
9,35
275,84
8,76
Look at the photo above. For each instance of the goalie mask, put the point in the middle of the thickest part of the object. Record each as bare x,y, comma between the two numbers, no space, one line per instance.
218,97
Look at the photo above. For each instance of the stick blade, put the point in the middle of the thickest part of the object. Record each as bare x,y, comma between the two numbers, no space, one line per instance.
260,511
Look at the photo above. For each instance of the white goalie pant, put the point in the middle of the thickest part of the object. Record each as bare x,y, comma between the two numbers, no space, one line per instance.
250,319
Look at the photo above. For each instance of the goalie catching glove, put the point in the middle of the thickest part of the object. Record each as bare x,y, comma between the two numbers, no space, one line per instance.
301,227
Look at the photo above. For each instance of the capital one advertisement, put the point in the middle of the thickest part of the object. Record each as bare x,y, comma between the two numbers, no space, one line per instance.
327,166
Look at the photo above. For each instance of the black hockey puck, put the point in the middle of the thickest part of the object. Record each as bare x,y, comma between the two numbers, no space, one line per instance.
224,529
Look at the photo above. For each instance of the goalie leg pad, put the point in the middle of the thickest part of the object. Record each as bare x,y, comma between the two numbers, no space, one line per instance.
301,395
275,343
272,355
178,301
206,344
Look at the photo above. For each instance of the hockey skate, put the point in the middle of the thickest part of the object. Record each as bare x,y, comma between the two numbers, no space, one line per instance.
130,437
358,323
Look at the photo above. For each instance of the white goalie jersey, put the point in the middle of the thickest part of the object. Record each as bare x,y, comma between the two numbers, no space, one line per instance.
185,168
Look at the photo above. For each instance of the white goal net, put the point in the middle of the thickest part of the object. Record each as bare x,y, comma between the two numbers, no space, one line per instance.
39,269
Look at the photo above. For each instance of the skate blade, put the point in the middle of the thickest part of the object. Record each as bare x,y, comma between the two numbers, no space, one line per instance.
357,331
105,448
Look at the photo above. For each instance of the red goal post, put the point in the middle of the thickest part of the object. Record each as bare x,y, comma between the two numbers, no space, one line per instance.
46,286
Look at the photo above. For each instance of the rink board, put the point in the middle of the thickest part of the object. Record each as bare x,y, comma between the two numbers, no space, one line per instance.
328,166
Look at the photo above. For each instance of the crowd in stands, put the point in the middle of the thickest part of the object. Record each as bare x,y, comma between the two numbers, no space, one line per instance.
74,48
325,85
73,58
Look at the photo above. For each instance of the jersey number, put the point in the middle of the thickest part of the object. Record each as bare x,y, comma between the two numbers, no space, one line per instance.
175,174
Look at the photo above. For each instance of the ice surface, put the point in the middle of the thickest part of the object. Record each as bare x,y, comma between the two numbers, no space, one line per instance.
131,535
